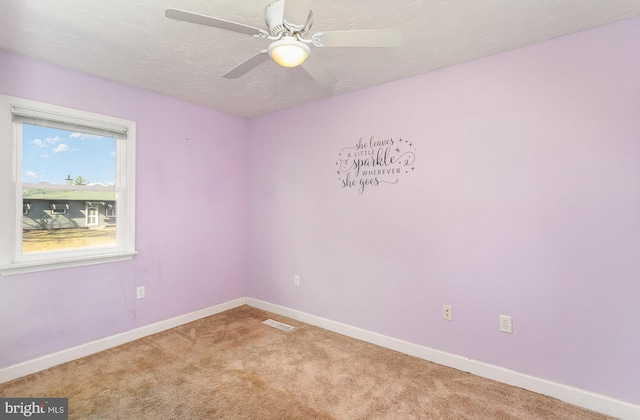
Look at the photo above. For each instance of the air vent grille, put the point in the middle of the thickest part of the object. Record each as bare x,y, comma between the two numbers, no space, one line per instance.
278,325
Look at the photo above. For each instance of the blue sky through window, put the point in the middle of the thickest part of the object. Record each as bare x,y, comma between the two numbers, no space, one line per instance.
50,155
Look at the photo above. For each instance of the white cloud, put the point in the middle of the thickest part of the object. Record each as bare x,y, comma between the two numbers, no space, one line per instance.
31,174
60,148
54,140
37,143
75,135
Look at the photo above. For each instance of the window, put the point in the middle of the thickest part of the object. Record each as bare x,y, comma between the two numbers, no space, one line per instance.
66,220
110,211
59,208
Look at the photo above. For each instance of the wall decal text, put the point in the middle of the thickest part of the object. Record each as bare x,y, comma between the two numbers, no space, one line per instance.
373,162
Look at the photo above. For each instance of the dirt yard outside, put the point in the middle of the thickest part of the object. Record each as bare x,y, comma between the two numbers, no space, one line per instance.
56,239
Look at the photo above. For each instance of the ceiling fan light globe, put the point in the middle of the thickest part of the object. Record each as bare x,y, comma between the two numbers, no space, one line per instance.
289,52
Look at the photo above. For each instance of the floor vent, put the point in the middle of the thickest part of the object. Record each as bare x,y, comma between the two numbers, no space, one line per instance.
278,325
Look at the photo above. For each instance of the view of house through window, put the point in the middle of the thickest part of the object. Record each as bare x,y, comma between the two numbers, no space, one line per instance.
68,189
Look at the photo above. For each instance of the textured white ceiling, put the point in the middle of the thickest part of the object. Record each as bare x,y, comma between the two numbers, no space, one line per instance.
134,43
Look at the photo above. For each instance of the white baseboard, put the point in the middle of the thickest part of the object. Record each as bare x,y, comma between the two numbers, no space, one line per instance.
575,396
50,360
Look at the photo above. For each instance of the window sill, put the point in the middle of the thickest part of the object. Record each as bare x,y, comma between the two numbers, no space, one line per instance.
34,266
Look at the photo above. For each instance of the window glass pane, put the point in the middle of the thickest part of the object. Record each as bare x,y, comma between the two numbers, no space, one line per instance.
68,179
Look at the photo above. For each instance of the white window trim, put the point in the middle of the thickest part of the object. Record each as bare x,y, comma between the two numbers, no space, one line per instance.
12,261
59,208
109,213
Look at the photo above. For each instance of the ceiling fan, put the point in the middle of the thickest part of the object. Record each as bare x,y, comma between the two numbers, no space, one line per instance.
289,22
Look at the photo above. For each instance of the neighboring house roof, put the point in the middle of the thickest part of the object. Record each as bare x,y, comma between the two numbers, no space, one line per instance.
74,193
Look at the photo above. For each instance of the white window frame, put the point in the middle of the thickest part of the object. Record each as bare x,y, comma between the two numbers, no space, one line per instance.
12,260
110,211
58,208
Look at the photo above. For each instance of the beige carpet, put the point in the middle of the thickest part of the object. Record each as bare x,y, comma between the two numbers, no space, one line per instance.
231,366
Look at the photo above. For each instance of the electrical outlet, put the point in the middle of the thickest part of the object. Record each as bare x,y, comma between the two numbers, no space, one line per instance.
140,292
505,324
296,280
447,312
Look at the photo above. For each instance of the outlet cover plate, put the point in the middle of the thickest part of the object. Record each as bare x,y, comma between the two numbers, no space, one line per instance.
447,312
505,324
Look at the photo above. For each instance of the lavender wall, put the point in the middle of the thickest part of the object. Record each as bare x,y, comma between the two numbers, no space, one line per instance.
190,227
524,201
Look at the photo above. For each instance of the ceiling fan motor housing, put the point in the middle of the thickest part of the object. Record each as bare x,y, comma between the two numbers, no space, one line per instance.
274,18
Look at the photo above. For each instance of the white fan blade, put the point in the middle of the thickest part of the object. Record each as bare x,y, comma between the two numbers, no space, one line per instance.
251,63
296,13
191,17
318,72
359,38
